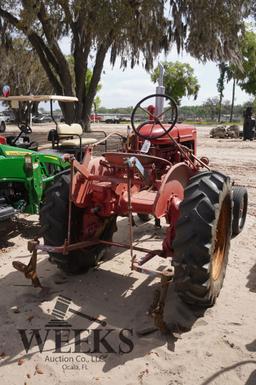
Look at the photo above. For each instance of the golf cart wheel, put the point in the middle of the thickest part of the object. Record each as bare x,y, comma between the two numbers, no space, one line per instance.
202,240
54,223
2,126
240,204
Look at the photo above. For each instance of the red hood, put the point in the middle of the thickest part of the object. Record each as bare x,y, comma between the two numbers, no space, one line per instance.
184,132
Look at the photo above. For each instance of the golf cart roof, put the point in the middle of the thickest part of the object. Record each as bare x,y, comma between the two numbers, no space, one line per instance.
39,98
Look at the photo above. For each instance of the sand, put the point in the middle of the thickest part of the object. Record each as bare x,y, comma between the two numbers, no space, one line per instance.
217,347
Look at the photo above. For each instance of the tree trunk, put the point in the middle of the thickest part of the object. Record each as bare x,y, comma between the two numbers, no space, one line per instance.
97,70
219,112
68,111
56,66
233,100
34,108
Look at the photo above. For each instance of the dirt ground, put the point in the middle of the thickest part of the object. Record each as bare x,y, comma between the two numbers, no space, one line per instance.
215,347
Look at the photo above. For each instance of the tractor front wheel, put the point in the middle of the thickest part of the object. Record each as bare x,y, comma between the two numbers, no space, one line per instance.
202,239
240,204
54,223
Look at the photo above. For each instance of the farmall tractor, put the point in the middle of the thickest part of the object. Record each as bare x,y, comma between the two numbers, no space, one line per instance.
156,173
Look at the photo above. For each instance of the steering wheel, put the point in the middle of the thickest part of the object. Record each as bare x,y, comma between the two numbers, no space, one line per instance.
165,120
26,129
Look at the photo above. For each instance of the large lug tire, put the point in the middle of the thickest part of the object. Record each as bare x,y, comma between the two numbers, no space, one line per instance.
54,222
240,204
202,239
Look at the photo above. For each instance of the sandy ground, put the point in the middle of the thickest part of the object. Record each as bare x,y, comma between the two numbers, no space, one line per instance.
218,347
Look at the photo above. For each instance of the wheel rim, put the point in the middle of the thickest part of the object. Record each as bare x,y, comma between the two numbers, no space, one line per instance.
221,239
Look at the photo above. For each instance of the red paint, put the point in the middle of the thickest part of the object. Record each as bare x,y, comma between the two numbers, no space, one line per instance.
100,184
2,140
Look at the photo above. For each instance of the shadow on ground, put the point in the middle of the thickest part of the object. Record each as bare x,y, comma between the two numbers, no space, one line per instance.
111,294
251,283
26,228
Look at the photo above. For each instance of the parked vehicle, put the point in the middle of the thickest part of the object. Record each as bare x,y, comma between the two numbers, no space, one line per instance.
41,118
24,177
95,118
22,140
3,121
10,115
111,119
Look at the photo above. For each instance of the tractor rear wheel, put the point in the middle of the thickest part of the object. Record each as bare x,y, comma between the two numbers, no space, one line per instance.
202,239
54,223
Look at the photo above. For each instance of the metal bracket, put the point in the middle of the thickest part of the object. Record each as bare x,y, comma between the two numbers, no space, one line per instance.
134,162
157,308
30,270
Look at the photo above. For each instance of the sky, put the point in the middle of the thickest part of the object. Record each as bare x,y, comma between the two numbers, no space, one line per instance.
122,88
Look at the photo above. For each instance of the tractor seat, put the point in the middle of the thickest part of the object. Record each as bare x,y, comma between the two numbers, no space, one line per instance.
66,133
76,142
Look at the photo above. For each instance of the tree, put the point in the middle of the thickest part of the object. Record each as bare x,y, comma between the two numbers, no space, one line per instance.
179,80
22,71
245,71
212,106
223,67
88,78
125,28
96,104
230,76
232,100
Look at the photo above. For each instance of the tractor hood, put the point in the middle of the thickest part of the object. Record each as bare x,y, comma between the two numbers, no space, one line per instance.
17,153
10,151
180,132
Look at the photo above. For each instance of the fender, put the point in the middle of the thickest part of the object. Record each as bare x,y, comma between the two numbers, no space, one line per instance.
173,184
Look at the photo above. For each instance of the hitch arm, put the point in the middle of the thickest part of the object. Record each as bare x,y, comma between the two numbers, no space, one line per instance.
30,270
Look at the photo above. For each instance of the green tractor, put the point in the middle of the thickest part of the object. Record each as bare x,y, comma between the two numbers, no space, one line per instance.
25,174
24,177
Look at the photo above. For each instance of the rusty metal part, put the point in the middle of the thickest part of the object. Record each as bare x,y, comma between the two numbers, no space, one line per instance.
222,236
30,270
138,263
205,160
130,213
107,137
84,244
181,148
157,308
70,199
201,162
177,145
152,272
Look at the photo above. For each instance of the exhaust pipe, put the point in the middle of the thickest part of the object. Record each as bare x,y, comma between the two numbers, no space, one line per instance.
160,89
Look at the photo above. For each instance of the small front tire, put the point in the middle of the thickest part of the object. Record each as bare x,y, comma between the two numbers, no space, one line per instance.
240,204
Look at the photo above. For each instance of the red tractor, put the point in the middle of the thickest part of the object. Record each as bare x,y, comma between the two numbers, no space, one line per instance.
157,172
